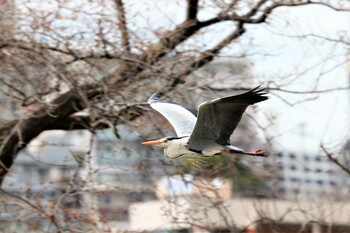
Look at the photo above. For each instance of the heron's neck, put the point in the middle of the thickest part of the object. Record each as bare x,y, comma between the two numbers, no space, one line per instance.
177,147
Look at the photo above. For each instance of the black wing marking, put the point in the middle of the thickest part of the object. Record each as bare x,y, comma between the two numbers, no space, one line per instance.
217,119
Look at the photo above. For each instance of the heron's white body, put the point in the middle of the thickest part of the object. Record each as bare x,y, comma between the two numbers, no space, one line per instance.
178,148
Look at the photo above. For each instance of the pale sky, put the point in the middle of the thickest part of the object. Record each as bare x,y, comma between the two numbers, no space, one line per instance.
325,119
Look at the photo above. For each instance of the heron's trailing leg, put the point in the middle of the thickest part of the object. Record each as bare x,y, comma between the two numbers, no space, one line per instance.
256,153
259,153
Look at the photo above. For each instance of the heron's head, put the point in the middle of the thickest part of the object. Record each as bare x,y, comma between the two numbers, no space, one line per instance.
163,142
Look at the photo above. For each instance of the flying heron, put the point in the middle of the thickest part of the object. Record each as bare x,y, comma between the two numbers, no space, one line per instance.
206,132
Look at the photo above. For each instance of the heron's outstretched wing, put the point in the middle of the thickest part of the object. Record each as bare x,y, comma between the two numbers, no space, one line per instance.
217,119
180,117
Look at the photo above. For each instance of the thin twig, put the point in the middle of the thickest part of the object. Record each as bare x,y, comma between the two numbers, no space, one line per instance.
123,25
334,160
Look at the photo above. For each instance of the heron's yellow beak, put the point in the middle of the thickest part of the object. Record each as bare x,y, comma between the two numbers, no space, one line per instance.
152,143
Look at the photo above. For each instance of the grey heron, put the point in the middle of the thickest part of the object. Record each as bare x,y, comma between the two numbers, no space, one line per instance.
206,132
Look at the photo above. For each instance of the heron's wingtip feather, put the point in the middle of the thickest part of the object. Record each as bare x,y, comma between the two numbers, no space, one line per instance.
259,92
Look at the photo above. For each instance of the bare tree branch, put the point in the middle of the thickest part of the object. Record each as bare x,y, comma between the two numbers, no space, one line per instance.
123,25
208,55
15,135
256,8
334,160
33,206
205,57
192,9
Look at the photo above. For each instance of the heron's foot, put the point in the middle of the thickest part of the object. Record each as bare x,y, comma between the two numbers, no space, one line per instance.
259,153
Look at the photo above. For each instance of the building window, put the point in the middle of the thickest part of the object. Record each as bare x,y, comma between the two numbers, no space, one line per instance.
296,191
42,172
293,179
332,183
293,167
319,182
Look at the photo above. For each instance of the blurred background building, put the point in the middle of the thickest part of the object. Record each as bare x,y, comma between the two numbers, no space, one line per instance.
307,177
193,213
